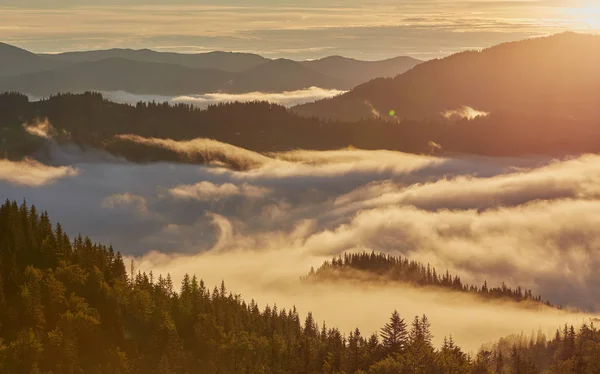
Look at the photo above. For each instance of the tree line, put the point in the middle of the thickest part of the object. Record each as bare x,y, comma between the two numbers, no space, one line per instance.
68,305
380,266
90,120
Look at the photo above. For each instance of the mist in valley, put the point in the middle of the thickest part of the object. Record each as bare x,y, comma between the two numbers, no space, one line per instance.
528,222
203,101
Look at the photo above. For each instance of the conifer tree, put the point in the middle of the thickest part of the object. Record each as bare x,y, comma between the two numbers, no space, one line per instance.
394,335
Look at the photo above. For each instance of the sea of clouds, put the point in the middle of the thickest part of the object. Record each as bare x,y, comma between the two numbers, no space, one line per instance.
530,221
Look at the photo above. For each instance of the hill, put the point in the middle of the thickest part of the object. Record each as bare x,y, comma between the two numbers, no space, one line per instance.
555,76
378,267
156,73
14,61
153,78
355,72
265,127
283,75
226,61
115,74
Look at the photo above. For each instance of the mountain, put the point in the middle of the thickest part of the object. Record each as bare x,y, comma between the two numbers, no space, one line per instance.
555,76
14,61
227,61
116,74
137,77
352,72
283,75
355,72
157,73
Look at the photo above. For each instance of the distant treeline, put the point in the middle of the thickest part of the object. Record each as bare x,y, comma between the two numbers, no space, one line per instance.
381,267
89,119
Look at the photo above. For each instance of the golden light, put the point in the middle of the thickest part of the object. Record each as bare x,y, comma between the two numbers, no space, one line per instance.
587,16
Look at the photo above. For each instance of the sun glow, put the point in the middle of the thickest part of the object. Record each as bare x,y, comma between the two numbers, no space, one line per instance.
587,16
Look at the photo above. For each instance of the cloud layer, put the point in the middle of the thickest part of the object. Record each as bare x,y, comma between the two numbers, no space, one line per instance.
529,221
286,98
32,173
207,191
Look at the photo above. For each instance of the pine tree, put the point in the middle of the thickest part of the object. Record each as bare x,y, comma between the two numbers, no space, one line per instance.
394,334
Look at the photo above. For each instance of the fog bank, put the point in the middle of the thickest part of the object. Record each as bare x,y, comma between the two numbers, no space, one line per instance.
530,222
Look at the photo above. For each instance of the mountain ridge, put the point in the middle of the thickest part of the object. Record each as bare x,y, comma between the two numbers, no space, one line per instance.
15,60
161,73
534,76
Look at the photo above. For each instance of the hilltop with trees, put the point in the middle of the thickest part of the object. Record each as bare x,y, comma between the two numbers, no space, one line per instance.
379,267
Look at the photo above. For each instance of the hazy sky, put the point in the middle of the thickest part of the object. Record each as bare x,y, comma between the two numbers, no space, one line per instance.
287,28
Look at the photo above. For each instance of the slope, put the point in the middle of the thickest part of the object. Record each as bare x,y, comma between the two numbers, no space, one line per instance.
283,75
227,61
14,60
554,76
119,74
355,72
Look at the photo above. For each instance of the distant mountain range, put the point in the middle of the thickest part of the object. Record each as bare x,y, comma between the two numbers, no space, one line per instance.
556,77
149,72
538,96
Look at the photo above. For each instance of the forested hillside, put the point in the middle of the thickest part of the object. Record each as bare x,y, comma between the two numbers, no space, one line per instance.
378,267
553,76
69,306
89,119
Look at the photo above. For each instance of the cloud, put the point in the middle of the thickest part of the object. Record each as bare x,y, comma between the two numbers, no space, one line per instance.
546,247
524,221
292,164
495,228
207,191
32,173
210,150
41,129
286,98
430,28
120,200
374,112
464,112
271,276
434,147
571,179
326,164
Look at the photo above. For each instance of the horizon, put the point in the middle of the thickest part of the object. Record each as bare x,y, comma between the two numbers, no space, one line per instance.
300,60
310,30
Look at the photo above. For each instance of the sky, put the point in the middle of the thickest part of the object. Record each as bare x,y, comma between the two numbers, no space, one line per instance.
295,29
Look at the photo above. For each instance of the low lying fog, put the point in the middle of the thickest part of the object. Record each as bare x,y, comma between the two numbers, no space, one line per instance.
531,222
202,101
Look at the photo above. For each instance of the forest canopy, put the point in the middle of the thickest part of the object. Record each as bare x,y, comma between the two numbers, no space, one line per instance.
90,120
69,306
